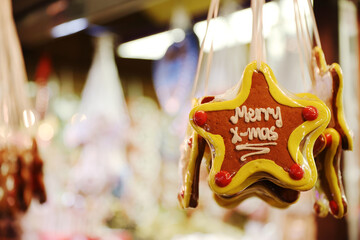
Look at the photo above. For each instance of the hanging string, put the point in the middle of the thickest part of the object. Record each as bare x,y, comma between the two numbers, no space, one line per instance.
315,28
257,43
214,6
254,26
6,103
15,96
305,36
299,43
307,29
303,29
263,49
260,43
211,53
208,67
309,41
18,64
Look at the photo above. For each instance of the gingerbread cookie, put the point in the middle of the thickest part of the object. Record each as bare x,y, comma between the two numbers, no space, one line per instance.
328,85
21,179
261,132
192,151
329,187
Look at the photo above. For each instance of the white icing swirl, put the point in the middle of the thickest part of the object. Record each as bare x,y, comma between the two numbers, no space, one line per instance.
258,147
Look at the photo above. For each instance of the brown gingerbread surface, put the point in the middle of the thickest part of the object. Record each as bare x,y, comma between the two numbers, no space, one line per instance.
218,122
194,196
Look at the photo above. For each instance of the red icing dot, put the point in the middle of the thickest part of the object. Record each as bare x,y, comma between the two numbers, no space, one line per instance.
334,207
200,118
223,178
189,142
328,138
310,113
296,172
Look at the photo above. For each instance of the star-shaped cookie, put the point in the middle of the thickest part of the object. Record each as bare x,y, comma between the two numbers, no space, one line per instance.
193,150
263,131
193,154
328,85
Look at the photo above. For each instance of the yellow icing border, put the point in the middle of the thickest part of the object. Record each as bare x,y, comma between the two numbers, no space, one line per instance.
330,171
259,191
265,165
191,161
339,96
185,201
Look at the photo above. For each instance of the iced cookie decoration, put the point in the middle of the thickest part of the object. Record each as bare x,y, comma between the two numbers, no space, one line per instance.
328,85
192,152
263,133
329,188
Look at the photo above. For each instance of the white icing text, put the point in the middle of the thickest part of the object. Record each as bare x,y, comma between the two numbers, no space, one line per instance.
253,115
261,133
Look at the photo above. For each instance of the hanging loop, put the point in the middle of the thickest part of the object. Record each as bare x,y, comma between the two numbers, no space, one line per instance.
257,43
212,14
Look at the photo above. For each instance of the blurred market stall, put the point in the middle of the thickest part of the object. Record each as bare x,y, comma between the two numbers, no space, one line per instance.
112,115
